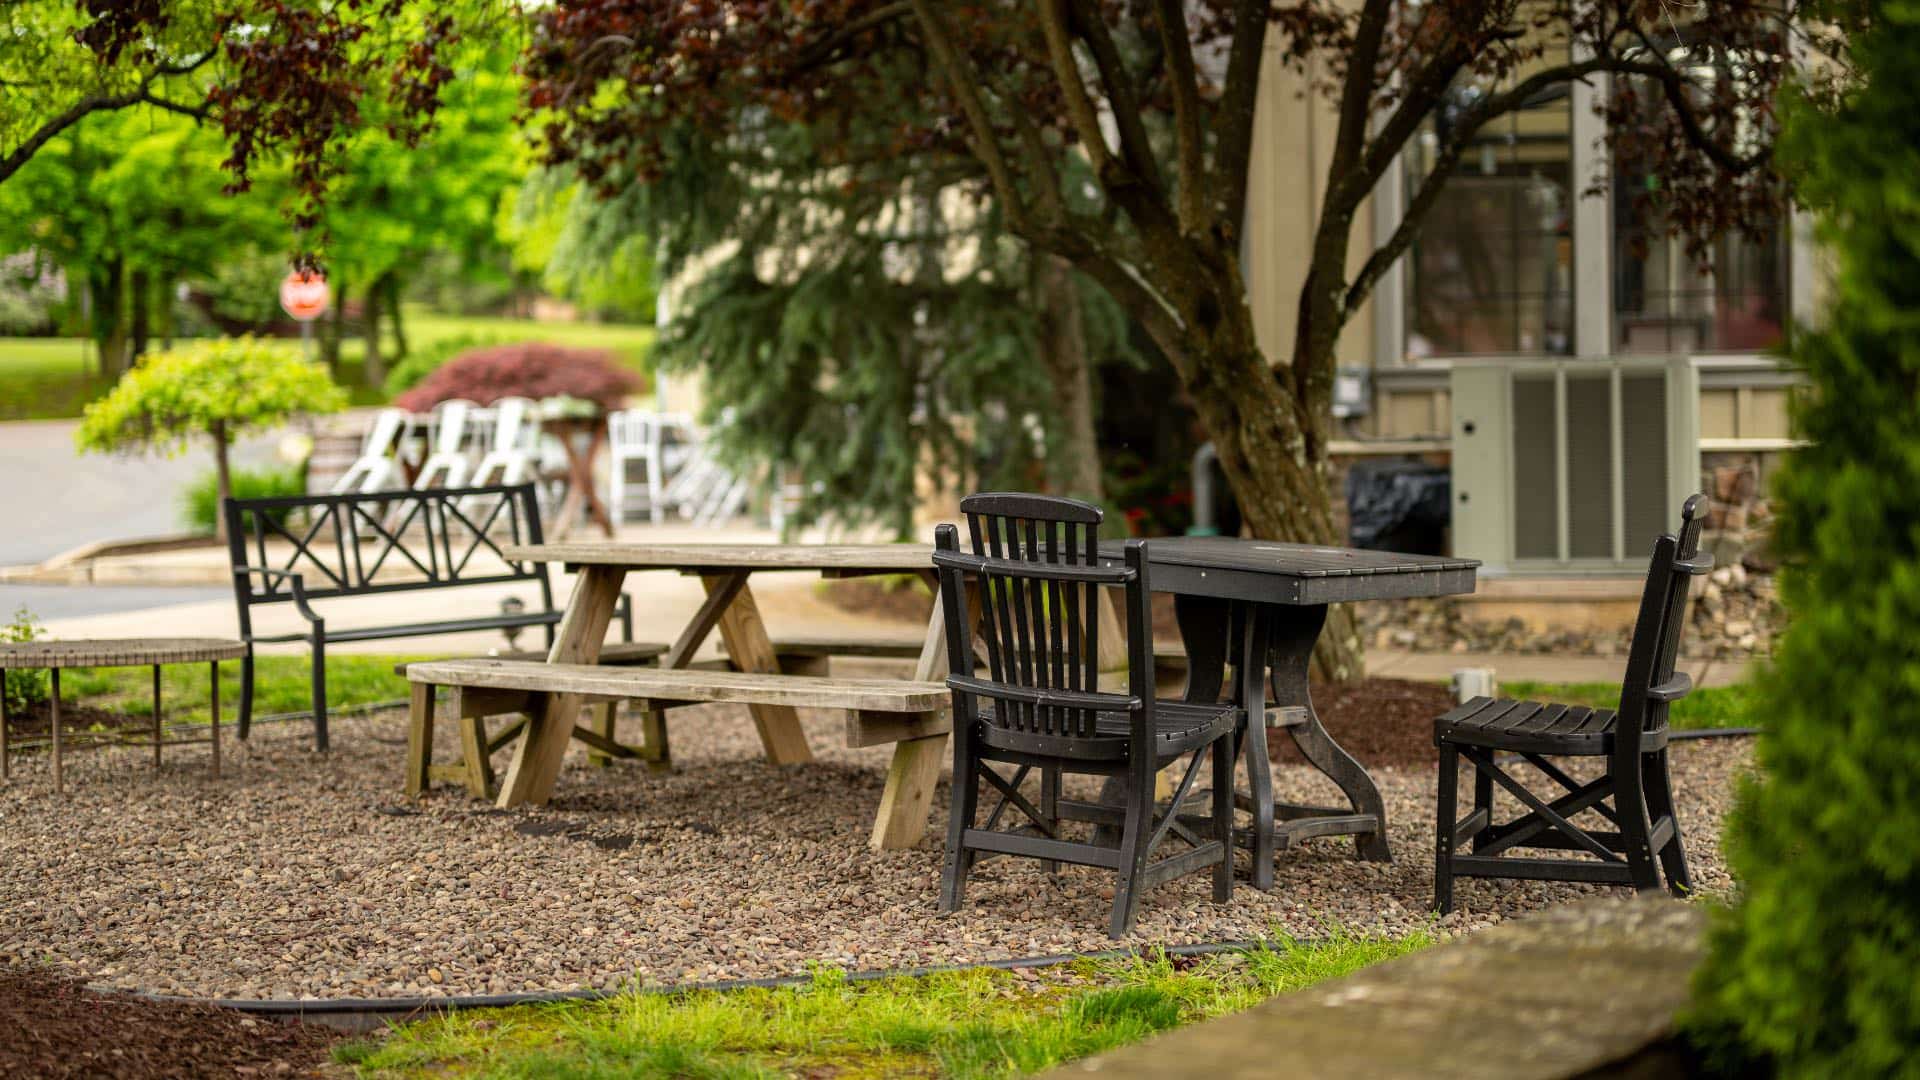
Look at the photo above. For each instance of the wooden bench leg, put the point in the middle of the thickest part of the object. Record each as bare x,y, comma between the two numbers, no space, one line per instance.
473,752
745,637
654,748
419,738
601,722
904,804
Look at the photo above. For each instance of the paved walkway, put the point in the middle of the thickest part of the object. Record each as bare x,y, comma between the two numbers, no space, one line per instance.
58,498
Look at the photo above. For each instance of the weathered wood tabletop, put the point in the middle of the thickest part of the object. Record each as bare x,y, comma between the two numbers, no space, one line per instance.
730,608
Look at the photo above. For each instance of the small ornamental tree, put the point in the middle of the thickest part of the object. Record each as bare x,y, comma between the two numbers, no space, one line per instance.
1814,968
529,369
216,389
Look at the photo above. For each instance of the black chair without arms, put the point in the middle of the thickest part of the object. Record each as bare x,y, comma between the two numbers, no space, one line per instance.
1039,707
1633,740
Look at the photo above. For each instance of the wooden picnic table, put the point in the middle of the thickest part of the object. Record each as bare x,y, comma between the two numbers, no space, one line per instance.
724,570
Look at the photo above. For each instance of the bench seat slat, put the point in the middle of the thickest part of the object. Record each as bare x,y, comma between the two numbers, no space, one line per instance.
878,695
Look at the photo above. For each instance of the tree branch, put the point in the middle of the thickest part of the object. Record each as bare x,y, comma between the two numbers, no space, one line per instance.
967,88
1135,147
1184,81
1356,92
1239,102
1066,72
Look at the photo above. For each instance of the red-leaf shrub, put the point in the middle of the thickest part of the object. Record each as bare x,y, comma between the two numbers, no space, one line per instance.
531,369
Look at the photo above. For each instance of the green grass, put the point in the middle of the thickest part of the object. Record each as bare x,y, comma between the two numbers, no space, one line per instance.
1706,707
979,1023
280,685
51,378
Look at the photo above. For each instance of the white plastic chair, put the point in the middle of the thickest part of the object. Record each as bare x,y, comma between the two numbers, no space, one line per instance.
378,466
512,446
447,464
636,435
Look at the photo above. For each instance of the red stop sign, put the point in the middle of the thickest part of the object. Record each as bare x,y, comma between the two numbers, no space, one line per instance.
303,295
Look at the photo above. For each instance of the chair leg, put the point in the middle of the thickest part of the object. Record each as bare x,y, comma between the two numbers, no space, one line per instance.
1482,800
320,696
245,720
1659,789
1446,821
1223,817
1630,801
1133,855
1050,808
966,797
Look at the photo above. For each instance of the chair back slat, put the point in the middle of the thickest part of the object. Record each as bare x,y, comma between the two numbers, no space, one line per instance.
1035,563
1657,629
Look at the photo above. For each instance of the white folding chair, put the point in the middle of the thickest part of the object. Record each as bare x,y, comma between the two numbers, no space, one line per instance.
636,435
378,466
447,464
512,444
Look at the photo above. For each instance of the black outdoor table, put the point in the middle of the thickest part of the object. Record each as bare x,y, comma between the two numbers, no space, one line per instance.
1273,597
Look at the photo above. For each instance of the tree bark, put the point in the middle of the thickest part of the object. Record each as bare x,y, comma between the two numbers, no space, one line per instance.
224,474
374,371
107,285
1073,460
140,305
334,330
392,290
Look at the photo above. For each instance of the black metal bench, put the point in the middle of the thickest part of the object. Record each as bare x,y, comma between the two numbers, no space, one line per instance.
386,542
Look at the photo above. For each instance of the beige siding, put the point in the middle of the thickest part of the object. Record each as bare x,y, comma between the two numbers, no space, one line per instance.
1293,139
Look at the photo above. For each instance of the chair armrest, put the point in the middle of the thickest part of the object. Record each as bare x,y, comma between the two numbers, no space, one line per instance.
1701,563
296,588
1673,689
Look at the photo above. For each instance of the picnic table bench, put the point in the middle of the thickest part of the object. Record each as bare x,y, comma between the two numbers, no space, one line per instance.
879,711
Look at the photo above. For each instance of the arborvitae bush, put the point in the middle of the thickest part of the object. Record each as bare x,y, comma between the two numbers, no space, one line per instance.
1817,967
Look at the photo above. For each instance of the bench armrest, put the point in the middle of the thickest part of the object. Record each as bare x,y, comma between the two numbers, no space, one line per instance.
296,588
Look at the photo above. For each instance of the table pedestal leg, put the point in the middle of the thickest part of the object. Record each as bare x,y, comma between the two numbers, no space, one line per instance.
1295,629
1255,627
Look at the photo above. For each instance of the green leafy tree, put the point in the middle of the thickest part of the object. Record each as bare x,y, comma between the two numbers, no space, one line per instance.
129,204
1814,967
215,390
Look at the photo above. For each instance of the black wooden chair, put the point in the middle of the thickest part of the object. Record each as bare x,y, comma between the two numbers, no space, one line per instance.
1632,740
1037,576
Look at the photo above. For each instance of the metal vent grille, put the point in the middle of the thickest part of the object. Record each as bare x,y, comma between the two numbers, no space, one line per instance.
1590,466
1536,474
1643,459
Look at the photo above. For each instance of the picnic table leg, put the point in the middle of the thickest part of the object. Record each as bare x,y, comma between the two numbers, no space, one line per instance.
751,650
1294,631
907,798
602,723
582,631
419,739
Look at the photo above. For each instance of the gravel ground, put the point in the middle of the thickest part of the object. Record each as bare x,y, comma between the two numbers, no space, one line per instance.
303,876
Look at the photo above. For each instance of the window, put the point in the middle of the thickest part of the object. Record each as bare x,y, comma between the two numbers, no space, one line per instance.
1666,300
1492,269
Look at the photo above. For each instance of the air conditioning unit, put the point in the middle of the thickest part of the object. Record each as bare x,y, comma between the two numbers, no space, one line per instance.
1569,466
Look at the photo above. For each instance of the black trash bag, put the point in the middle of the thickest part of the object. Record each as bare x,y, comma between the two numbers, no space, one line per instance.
1399,506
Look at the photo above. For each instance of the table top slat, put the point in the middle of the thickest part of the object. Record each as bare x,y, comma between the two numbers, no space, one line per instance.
117,652
883,558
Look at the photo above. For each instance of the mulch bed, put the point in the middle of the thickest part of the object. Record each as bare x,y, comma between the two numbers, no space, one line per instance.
57,1028
1381,722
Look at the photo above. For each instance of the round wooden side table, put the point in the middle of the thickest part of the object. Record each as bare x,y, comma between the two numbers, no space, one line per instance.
117,652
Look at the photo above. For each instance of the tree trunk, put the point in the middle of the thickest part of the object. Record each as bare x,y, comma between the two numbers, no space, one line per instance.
108,287
334,330
1073,461
224,474
392,283
374,372
140,304
1270,429
168,323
